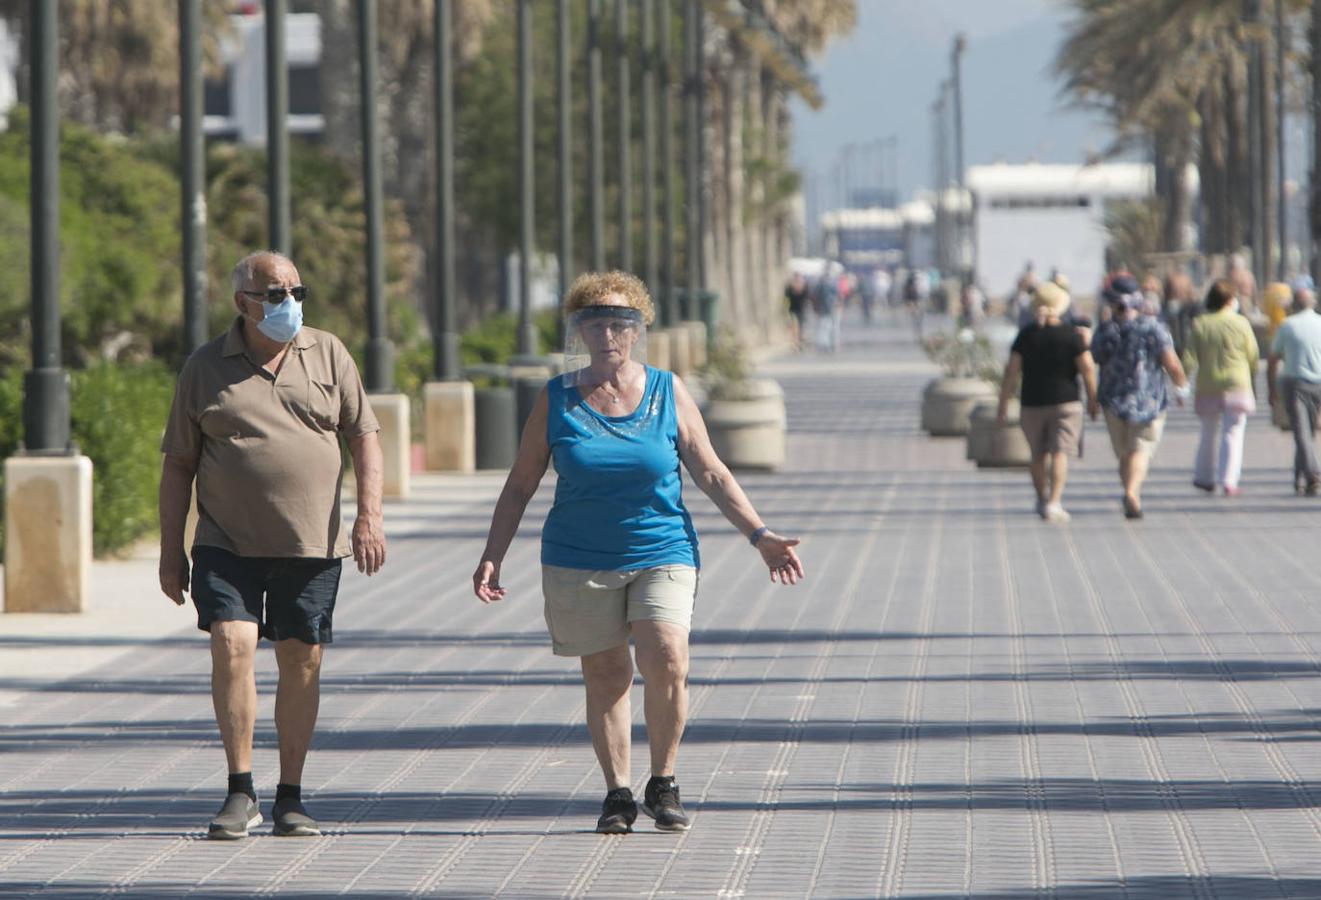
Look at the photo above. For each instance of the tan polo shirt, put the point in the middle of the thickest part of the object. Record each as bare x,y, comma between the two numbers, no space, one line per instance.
266,447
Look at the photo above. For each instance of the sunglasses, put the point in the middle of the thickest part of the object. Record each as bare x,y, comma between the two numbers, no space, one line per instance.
277,294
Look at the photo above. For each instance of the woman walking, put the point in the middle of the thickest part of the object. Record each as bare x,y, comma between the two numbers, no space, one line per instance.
1223,350
618,550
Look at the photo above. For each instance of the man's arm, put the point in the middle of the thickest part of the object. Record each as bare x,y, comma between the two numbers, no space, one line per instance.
1007,383
176,490
369,527
1088,370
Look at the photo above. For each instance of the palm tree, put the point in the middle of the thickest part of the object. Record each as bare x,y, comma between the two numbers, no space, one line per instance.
1176,73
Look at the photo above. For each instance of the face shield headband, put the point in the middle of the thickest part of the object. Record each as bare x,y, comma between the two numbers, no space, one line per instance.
600,339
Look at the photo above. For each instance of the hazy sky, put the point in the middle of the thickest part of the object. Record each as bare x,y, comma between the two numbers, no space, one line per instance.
882,79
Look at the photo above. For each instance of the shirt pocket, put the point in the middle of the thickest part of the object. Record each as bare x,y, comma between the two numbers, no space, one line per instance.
323,404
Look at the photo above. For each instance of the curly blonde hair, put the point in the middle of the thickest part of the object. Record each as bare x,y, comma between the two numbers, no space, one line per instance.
591,288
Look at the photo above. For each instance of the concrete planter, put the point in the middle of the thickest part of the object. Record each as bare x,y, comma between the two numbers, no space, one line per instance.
749,433
947,404
994,446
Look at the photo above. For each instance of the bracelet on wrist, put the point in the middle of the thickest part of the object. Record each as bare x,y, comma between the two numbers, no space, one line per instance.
757,535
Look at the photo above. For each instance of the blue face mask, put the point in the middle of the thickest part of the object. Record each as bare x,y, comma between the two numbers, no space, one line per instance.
282,320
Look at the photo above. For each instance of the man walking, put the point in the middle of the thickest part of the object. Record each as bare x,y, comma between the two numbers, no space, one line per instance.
1135,353
1297,346
1050,356
256,420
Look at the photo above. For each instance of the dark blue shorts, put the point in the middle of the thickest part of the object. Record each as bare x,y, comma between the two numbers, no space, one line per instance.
285,597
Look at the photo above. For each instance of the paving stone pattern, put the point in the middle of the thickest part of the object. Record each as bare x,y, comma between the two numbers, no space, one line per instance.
960,701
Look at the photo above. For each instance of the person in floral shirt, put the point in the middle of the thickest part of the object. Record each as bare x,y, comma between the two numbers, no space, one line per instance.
1135,352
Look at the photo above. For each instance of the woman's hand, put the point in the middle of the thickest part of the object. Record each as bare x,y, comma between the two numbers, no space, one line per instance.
778,554
486,582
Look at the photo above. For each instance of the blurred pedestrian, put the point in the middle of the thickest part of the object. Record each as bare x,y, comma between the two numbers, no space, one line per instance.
1050,356
618,549
1293,377
257,419
1243,281
828,306
1223,351
796,296
1134,352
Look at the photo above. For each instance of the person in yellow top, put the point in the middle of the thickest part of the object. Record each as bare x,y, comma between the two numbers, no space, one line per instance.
1223,351
1276,303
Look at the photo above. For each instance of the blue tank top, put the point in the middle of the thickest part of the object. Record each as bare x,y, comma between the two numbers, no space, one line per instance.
617,504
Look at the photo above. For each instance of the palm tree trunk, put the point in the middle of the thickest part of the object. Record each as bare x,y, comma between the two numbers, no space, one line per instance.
1173,151
1239,176
1210,168
1266,171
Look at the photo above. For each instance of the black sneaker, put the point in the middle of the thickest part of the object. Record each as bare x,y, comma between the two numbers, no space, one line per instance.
617,812
661,802
239,813
292,820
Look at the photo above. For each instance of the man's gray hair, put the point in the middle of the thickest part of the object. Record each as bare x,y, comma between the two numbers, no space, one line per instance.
1304,299
245,268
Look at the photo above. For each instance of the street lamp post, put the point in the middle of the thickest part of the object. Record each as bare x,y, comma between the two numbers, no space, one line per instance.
595,135
527,334
277,132
46,384
445,336
669,297
192,175
692,150
47,484
624,137
566,148
956,83
380,355
648,88
1281,130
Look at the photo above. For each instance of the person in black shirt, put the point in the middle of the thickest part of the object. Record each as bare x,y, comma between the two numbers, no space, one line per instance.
1050,355
796,294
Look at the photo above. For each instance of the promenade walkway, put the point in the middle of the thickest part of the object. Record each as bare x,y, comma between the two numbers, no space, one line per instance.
961,700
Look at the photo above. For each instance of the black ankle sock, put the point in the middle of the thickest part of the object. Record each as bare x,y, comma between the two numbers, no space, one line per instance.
241,783
292,792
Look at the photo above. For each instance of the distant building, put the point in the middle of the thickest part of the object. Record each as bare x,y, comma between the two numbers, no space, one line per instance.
235,102
1051,215
864,239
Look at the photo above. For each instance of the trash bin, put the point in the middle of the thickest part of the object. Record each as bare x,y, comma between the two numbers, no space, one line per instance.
497,438
708,304
526,392
494,414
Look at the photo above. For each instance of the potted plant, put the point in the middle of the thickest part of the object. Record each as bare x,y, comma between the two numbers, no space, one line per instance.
991,444
744,415
965,358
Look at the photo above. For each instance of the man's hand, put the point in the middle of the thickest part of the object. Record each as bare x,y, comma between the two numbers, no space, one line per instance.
1093,409
174,576
486,582
369,543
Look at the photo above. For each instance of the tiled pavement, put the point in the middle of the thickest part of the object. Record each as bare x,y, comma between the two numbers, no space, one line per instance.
960,701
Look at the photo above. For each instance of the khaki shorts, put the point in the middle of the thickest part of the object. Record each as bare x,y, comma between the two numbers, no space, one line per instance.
1134,437
1052,429
588,611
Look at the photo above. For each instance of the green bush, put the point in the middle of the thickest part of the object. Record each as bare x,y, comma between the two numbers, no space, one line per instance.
117,413
495,340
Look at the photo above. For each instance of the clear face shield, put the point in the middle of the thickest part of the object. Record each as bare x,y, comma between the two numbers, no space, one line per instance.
600,340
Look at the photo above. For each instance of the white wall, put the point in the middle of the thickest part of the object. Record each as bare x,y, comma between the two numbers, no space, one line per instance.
1065,237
